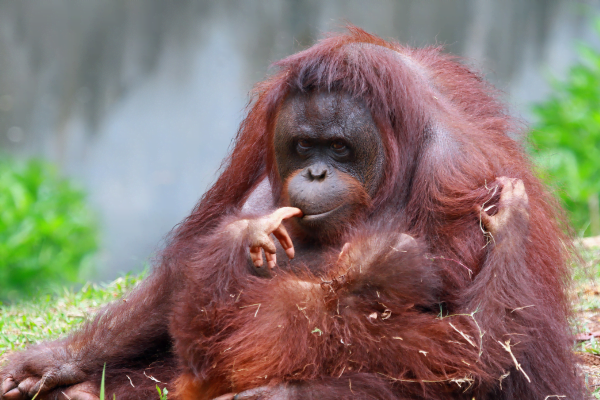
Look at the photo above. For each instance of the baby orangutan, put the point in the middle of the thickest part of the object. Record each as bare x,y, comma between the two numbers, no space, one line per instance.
376,315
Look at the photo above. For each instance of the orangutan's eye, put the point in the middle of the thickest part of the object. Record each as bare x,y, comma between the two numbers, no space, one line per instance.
304,144
338,146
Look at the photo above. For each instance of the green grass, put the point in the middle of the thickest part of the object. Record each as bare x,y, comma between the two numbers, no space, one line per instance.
587,279
586,295
50,316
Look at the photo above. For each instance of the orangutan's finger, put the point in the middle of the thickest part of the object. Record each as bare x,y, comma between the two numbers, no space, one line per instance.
285,213
13,394
487,220
81,391
256,256
267,243
507,187
31,386
228,396
520,191
255,393
286,242
7,385
271,259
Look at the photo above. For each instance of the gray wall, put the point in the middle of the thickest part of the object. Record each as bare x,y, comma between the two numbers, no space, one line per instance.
138,100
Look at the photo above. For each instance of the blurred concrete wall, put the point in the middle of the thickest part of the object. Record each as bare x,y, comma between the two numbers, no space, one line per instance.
138,100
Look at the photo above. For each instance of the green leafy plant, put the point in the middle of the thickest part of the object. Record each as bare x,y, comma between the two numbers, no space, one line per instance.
162,395
47,232
566,140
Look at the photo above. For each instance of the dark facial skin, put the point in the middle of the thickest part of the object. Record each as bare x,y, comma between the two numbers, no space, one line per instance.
330,157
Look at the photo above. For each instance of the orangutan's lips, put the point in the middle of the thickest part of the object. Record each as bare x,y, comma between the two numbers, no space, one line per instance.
314,217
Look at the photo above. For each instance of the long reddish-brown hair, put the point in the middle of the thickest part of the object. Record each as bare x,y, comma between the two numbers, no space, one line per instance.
446,137
447,141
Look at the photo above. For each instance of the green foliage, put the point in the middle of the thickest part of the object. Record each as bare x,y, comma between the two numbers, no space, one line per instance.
567,140
102,383
47,233
162,395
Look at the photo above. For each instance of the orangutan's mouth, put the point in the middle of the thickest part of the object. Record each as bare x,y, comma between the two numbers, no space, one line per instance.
320,216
